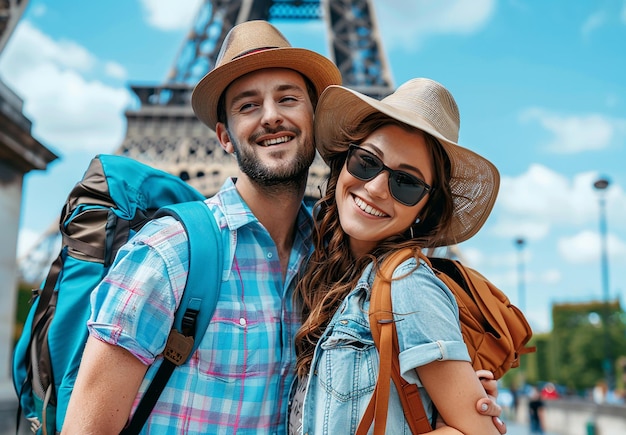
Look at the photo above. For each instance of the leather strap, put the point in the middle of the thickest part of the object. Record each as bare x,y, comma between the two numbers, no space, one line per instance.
382,325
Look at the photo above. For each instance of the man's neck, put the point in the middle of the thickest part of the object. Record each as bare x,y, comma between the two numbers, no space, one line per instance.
276,207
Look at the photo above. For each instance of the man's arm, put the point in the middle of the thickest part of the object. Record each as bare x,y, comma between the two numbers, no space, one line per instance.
106,386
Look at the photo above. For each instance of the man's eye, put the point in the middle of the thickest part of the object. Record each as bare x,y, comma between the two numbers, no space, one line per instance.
246,106
288,99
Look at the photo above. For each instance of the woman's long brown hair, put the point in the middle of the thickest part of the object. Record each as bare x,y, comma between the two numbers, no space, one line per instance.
332,272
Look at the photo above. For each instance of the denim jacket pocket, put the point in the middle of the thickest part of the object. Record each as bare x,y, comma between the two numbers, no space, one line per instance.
348,366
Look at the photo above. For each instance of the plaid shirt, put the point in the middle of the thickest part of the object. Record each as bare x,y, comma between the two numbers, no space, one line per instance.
238,380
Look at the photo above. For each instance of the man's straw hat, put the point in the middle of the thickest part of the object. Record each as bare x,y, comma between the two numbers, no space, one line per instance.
251,46
428,106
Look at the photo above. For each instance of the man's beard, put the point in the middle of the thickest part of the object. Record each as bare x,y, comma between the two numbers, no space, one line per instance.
292,174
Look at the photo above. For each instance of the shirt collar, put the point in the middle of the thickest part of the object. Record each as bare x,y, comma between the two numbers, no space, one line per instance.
237,213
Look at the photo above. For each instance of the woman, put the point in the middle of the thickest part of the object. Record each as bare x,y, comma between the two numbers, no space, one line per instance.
397,179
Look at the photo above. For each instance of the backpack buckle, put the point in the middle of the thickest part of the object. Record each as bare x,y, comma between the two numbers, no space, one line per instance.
178,347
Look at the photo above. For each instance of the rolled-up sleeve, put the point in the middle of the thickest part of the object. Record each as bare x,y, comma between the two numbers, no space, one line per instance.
427,320
134,304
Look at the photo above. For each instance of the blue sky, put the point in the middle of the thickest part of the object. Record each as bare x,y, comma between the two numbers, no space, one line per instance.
540,86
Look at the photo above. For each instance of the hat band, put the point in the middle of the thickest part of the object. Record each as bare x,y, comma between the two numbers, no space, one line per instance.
254,50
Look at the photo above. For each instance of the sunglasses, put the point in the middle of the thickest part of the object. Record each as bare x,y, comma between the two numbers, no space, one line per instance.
364,165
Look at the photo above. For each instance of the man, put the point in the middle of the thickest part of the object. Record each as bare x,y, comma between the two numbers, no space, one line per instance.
260,101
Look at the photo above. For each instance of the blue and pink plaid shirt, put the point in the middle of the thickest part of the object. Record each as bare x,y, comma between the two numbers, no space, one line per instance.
238,380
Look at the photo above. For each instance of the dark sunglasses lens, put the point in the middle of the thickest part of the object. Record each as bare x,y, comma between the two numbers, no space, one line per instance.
363,165
406,188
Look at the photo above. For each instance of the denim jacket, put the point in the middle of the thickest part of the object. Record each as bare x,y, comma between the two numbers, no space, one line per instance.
345,363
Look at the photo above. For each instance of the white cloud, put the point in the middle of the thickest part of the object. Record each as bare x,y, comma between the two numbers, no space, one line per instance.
532,204
593,22
171,15
68,111
551,276
70,55
115,70
75,114
29,47
472,257
539,321
27,239
406,22
37,251
38,10
531,227
504,269
574,134
584,247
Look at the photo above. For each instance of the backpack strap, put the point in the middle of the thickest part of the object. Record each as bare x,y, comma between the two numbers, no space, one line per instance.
382,325
197,304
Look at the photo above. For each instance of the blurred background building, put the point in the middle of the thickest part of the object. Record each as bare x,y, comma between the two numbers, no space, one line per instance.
19,154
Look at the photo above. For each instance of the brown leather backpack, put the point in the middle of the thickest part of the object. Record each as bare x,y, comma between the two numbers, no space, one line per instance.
495,332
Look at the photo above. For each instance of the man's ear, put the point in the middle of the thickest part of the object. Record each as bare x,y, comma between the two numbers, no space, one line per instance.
224,138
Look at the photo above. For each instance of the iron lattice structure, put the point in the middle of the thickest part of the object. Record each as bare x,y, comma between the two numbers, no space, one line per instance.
164,132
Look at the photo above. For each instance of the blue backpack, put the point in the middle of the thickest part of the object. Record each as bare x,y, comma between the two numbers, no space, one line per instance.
115,198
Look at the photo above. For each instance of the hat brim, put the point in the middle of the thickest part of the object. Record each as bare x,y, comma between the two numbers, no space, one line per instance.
474,180
319,69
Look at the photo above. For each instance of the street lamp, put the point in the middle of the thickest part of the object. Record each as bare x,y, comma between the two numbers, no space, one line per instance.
521,297
600,185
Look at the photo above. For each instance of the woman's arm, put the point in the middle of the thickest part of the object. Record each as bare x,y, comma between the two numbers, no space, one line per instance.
455,390
485,406
429,332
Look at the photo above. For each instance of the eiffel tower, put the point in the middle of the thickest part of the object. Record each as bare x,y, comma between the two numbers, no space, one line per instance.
164,132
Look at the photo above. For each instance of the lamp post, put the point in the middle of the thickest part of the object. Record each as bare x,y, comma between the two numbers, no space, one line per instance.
600,185
521,290
521,296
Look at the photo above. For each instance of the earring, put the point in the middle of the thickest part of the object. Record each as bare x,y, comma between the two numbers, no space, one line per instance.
417,221
411,229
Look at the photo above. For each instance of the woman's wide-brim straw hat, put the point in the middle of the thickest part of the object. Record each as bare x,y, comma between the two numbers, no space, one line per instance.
426,105
251,46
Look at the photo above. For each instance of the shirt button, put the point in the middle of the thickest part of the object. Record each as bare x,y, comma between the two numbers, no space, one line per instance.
269,255
344,322
242,321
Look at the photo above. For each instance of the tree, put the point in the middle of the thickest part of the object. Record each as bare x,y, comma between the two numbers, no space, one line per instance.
577,342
